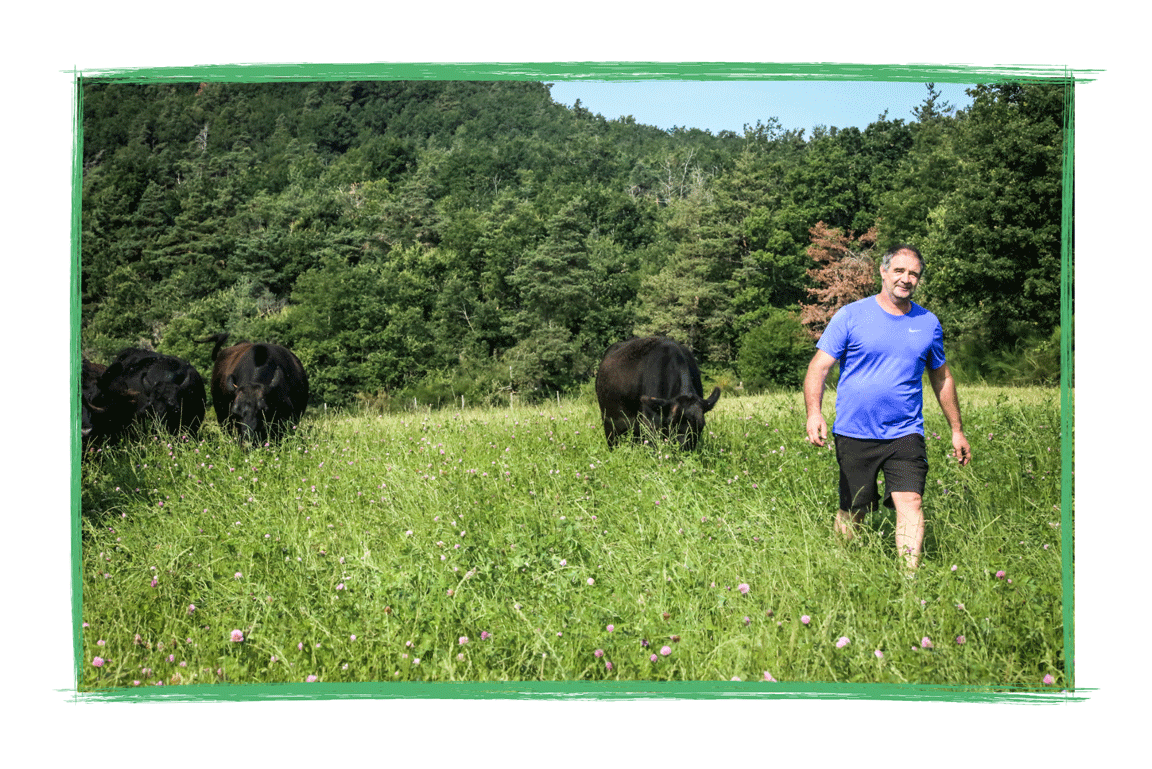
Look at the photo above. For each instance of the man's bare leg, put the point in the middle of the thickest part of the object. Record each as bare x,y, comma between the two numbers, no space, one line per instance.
846,523
909,527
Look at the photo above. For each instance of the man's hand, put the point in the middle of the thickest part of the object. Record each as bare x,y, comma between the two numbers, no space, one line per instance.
818,429
960,448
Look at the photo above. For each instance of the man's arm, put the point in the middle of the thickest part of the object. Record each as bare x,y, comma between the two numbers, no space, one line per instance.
945,387
818,369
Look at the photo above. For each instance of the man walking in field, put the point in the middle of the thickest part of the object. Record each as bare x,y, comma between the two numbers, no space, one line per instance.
883,344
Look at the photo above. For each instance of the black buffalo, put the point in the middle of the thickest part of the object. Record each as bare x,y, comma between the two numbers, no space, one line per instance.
91,409
143,387
258,390
652,381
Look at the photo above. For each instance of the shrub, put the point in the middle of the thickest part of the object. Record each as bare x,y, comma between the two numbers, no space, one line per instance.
547,361
1033,360
776,353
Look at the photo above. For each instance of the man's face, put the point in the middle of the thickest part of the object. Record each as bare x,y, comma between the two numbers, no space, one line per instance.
901,277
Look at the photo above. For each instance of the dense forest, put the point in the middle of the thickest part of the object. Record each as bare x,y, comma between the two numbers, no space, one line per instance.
441,240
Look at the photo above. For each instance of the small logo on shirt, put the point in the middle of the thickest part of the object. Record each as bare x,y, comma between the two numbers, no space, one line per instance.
913,330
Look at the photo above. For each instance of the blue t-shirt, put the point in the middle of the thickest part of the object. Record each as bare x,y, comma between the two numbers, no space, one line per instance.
882,359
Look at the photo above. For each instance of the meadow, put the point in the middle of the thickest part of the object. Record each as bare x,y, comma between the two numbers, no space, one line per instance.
510,545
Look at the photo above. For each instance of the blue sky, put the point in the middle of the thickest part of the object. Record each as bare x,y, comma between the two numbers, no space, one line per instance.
729,105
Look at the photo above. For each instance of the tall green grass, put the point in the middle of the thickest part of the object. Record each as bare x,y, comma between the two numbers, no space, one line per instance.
493,545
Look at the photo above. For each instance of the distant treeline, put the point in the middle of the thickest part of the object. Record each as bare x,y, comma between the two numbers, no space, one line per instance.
446,239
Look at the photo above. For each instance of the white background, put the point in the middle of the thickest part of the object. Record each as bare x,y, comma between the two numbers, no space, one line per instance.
44,42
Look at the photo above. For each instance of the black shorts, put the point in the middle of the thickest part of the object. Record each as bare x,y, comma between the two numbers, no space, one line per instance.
904,462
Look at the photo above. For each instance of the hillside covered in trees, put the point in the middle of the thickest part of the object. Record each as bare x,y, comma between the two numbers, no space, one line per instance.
448,239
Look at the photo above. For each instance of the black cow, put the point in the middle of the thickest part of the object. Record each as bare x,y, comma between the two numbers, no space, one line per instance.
655,381
141,387
258,390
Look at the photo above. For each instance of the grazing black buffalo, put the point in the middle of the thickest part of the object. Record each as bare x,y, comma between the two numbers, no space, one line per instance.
258,390
655,381
142,386
91,409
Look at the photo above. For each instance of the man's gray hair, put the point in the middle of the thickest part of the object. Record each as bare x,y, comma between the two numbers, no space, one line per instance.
886,260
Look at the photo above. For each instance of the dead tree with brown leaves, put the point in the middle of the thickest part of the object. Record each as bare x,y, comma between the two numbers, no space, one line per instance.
846,273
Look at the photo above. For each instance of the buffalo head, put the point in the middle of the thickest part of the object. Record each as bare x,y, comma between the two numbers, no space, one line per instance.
171,394
680,418
255,406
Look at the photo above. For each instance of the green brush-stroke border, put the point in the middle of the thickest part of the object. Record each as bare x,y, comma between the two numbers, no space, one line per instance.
1067,528
74,368
714,71
565,690
578,690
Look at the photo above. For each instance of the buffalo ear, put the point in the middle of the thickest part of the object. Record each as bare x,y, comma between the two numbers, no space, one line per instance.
277,378
230,383
715,396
